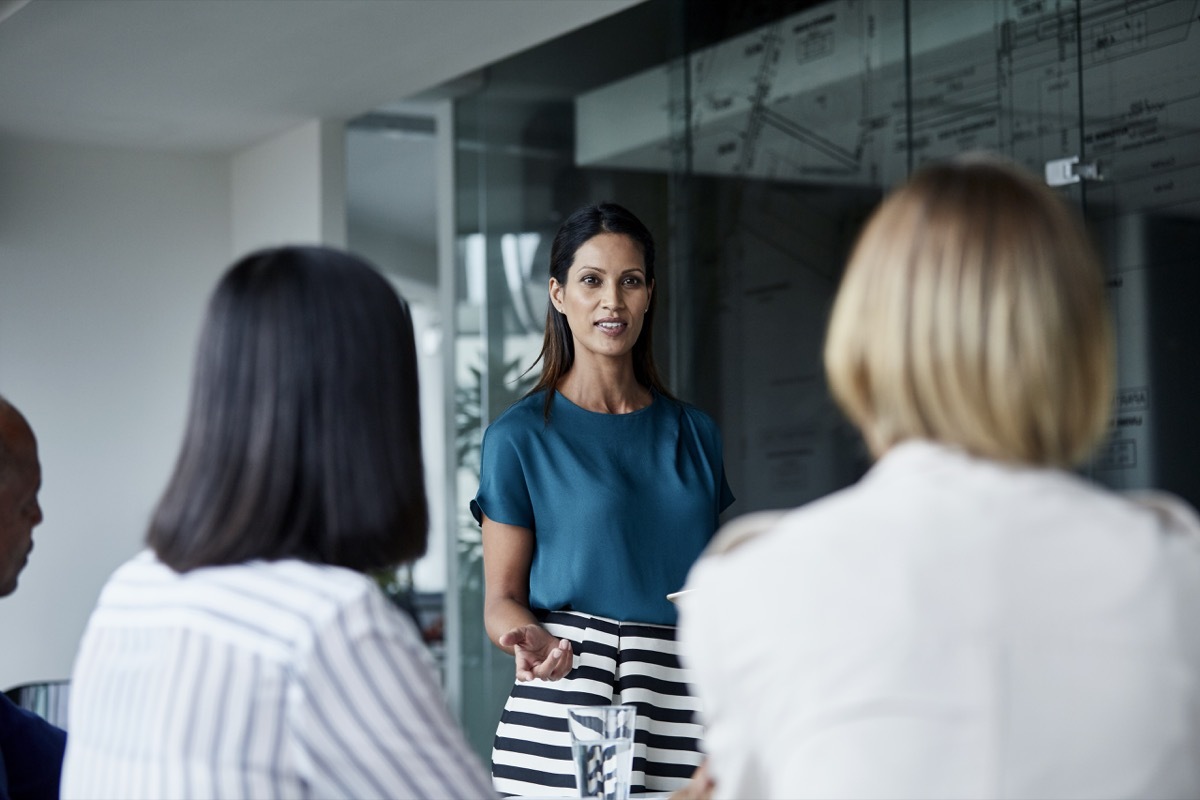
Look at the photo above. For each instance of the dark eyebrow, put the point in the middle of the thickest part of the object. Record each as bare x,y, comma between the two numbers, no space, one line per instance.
624,271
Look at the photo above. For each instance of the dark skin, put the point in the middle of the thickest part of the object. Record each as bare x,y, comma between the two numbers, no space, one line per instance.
20,480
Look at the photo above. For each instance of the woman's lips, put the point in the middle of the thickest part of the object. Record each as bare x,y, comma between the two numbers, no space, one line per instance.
612,327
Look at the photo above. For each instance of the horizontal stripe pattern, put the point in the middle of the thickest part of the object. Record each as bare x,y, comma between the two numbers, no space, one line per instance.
614,663
260,680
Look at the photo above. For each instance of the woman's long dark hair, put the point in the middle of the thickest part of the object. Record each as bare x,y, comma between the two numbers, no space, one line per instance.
303,437
558,347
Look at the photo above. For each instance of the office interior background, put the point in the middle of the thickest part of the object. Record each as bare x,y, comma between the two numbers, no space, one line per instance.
144,145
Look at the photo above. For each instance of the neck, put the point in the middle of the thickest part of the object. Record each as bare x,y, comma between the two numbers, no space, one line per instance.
609,388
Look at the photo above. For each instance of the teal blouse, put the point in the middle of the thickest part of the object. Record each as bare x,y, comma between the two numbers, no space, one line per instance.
620,505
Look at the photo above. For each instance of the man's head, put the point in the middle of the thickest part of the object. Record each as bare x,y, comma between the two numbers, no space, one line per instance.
20,480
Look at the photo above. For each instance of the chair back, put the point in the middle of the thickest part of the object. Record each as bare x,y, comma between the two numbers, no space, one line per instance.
47,699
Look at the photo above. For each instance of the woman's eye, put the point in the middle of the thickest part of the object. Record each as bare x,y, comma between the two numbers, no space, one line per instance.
589,279
632,281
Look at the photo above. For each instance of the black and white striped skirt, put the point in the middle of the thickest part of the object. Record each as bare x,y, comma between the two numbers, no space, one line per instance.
615,663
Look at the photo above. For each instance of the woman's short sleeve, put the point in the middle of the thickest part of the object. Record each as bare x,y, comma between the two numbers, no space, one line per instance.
503,490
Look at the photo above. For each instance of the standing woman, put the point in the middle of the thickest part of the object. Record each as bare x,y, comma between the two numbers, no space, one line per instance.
245,653
597,491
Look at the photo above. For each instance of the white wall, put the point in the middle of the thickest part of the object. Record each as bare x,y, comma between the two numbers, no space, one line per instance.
291,189
106,260
431,571
390,254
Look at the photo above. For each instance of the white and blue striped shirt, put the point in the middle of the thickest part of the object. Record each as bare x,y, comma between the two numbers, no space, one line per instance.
267,679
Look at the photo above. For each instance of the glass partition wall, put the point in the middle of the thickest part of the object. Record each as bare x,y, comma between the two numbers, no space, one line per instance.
516,180
754,140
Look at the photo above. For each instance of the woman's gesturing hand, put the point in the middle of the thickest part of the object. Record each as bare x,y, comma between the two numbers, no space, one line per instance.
539,655
700,787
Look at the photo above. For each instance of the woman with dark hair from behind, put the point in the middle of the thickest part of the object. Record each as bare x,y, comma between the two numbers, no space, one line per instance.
245,653
597,491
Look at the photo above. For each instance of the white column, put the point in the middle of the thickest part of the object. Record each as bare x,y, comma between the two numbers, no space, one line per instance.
291,189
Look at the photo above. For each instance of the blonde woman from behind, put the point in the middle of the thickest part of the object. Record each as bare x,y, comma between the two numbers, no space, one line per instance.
971,619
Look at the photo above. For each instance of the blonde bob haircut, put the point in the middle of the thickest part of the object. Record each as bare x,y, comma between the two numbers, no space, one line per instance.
973,313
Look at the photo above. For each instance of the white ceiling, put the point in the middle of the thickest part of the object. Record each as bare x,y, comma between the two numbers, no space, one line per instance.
220,75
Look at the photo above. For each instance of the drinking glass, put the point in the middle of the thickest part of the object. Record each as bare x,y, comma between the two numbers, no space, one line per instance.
602,747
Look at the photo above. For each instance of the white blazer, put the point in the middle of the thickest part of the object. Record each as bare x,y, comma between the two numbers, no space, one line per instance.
952,627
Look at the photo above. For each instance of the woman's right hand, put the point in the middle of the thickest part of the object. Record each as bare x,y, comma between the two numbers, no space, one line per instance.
538,654
507,555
